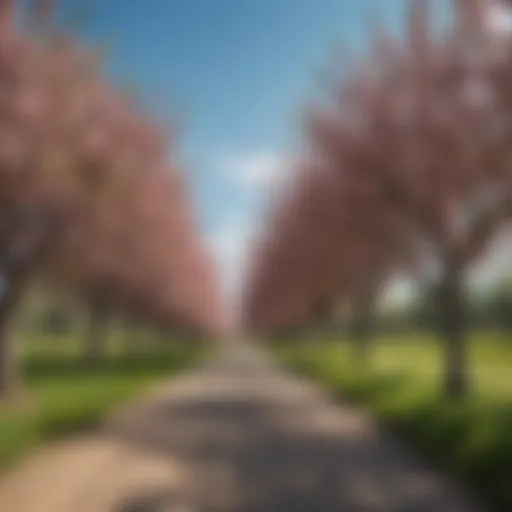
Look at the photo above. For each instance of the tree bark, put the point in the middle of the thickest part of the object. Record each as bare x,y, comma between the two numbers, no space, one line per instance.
164,339
362,331
132,342
96,335
9,378
130,338
9,381
452,315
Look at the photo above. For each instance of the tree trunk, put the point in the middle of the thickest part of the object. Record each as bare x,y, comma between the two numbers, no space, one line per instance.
452,315
164,340
132,342
96,335
9,378
130,338
8,373
362,331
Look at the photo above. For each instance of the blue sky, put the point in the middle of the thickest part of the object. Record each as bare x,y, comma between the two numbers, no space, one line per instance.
239,73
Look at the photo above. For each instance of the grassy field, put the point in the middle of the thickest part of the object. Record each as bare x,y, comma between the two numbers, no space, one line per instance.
62,396
401,387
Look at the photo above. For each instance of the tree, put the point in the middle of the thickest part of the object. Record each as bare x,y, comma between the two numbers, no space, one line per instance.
90,202
415,143
428,142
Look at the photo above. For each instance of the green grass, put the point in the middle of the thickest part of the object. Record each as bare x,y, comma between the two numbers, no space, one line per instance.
62,396
401,387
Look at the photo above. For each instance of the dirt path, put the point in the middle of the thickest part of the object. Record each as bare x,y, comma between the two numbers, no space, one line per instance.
234,436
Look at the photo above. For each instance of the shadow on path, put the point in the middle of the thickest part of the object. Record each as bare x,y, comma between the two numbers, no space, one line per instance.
154,501
255,440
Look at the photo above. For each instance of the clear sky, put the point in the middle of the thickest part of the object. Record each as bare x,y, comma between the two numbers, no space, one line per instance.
239,72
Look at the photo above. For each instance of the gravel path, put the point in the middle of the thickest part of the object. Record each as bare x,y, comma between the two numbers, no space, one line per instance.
237,435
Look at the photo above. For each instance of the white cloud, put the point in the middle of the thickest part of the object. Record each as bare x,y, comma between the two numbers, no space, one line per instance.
259,169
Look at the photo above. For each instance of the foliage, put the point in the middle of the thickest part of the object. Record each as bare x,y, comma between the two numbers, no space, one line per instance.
405,172
93,201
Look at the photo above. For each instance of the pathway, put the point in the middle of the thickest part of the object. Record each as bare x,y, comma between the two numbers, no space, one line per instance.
237,435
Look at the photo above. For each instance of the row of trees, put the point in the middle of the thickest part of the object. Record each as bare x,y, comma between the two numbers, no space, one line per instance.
407,171
90,203
490,309
417,318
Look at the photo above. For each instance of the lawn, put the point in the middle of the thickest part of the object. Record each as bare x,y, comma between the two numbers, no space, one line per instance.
401,388
62,396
